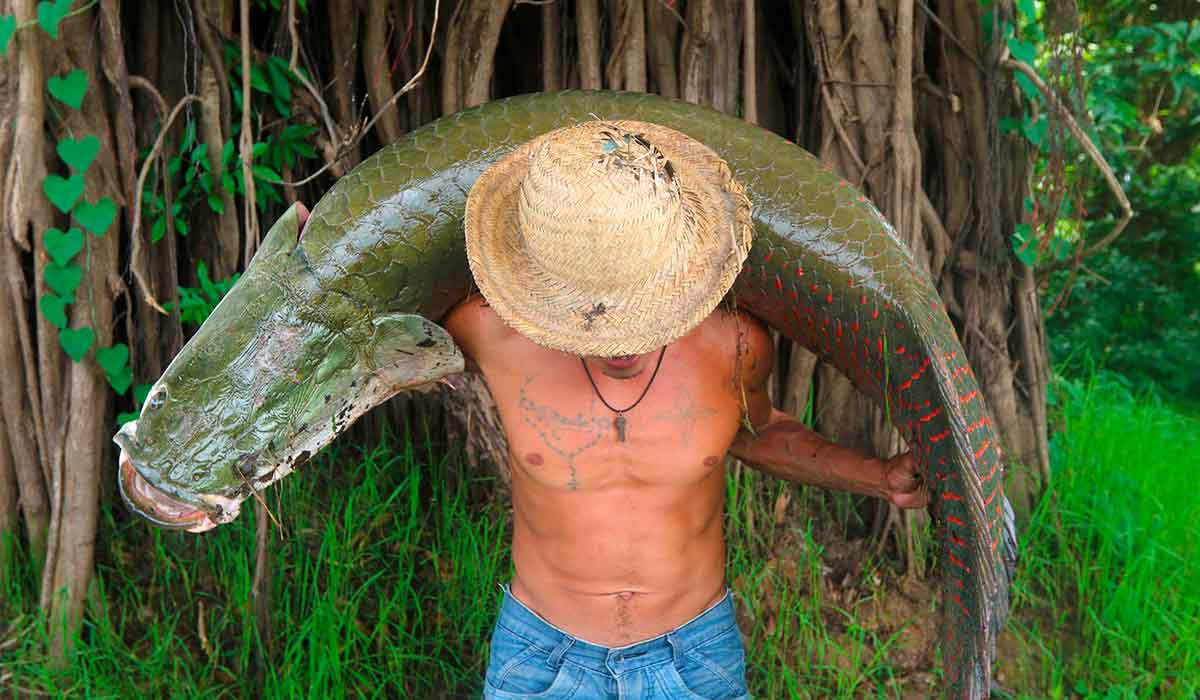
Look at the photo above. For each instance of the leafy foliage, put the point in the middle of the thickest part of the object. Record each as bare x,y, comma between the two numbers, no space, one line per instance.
196,304
1134,307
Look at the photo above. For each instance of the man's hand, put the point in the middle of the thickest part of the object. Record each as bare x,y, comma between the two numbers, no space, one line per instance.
905,486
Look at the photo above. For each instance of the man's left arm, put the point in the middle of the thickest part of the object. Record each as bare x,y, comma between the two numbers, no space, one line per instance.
784,447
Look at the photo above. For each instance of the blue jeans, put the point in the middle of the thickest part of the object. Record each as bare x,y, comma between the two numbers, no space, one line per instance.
701,660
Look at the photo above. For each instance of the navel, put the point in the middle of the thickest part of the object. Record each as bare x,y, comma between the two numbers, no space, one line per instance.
712,461
534,458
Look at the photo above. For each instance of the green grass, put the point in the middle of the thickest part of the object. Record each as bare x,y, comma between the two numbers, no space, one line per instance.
1108,590
384,583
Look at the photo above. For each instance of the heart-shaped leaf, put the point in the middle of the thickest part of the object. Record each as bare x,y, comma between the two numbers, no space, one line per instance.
63,279
54,308
121,380
49,14
80,153
76,341
70,88
96,217
113,359
63,246
63,192
8,27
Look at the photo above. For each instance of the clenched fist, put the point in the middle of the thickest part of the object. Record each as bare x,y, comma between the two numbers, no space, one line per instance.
905,486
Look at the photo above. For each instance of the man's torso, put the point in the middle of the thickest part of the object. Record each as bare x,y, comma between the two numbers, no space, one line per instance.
614,542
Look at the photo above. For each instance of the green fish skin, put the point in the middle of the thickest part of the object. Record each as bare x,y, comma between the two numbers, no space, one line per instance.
324,326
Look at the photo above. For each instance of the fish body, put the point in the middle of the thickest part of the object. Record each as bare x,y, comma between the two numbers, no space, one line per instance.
329,322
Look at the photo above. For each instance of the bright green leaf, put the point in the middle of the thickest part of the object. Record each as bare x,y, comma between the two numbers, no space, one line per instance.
60,246
54,308
140,392
70,88
1028,87
1021,50
63,192
258,81
8,27
80,153
113,359
96,217
158,230
121,380
63,279
76,341
262,172
49,14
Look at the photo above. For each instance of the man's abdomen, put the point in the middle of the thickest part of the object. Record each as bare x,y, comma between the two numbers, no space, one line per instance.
621,564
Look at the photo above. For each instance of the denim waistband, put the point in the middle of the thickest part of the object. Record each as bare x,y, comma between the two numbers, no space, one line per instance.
518,619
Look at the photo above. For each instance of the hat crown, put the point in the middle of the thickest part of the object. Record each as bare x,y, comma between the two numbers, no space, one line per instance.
599,210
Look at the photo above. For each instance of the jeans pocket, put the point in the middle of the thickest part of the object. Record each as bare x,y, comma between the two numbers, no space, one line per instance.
715,670
518,669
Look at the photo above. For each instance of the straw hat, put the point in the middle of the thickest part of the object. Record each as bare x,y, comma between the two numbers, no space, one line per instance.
607,238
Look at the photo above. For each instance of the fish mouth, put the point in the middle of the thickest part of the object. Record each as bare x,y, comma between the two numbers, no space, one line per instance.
156,505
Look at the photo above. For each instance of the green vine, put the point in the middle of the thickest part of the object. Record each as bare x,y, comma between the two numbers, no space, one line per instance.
62,273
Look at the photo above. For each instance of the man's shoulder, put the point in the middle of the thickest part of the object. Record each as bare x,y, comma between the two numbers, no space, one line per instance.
474,325
739,339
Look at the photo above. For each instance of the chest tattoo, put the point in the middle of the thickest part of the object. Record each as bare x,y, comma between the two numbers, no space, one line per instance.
566,436
685,414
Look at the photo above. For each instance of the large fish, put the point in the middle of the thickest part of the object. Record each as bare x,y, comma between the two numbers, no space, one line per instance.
338,311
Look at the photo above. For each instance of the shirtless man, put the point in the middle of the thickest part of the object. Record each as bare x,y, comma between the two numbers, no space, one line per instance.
620,399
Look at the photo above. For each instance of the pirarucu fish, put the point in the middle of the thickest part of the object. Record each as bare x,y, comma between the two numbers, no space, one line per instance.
338,311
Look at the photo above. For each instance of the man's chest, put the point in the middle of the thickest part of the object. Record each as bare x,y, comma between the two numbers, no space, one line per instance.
564,432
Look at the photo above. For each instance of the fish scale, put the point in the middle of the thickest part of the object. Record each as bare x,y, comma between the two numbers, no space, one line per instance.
825,269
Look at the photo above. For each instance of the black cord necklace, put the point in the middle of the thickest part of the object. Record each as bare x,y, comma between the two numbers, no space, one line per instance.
619,421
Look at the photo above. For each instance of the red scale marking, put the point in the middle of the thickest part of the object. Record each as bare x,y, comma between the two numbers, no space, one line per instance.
931,415
968,397
951,496
875,313
900,350
829,298
767,257
940,436
863,300
899,326
778,284
813,287
958,562
982,449
799,271
957,542
954,521
854,328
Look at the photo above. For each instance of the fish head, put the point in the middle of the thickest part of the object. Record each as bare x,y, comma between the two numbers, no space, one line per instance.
281,366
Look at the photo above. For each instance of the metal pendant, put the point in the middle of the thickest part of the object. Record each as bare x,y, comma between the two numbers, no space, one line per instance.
619,422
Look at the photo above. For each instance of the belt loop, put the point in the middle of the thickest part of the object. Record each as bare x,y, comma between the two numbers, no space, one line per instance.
676,648
555,659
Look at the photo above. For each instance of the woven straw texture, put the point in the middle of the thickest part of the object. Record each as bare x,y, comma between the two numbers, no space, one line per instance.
607,238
